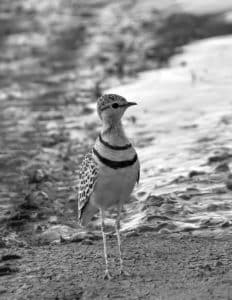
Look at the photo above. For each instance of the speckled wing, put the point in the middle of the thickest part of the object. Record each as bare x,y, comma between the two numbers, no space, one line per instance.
88,175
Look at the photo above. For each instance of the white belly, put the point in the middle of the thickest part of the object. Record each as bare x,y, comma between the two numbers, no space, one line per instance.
114,187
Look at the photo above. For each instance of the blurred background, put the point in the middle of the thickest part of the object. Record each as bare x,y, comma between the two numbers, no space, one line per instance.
57,57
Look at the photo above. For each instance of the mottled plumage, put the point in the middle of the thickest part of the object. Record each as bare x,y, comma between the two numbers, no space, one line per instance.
88,176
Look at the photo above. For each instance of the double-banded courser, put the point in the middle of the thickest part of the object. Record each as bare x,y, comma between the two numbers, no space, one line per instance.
109,172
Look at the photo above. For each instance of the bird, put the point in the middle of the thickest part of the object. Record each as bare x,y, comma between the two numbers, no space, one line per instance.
109,172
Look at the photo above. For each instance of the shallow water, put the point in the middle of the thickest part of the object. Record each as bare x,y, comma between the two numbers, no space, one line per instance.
182,135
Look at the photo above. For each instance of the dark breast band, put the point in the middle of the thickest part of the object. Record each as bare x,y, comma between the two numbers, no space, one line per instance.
113,163
125,147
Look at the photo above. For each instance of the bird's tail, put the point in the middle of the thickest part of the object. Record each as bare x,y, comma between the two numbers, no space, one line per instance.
86,214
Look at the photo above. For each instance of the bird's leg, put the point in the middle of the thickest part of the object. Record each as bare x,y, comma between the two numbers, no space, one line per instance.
117,229
107,274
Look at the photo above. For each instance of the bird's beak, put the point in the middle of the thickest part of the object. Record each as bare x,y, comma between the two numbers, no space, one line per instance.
130,104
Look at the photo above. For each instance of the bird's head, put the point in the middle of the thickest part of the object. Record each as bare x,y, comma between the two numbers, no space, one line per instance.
111,108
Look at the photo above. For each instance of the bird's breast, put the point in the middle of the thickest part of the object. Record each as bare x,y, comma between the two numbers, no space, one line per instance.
114,155
117,175
114,186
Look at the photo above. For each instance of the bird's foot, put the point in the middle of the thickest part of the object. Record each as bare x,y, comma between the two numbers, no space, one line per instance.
107,275
124,273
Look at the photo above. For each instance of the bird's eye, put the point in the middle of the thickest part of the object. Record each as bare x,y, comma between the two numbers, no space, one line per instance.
115,105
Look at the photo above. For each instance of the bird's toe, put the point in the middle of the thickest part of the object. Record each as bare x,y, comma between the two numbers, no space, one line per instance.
107,275
124,273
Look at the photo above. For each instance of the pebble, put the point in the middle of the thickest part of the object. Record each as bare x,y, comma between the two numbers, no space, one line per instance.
222,168
10,257
229,182
2,290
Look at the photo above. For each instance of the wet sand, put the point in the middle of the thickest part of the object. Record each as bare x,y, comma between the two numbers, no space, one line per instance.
186,153
50,125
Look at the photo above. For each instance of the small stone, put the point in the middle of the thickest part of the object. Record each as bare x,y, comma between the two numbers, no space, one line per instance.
226,224
185,196
195,173
133,233
10,257
53,220
38,176
87,242
219,157
206,267
222,168
7,270
141,193
229,182
2,290
2,243
219,264
155,200
56,234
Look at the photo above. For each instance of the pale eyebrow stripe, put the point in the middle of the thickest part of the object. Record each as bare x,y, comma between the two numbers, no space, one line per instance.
106,107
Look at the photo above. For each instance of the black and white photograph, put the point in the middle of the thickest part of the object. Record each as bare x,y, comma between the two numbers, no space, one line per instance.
115,149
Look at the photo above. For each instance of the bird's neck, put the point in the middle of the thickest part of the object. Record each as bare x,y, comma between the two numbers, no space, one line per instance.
114,133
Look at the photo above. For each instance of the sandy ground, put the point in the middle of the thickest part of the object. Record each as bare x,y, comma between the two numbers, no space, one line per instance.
160,267
48,128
